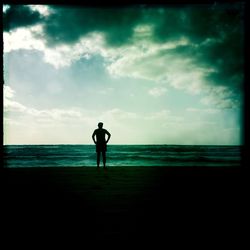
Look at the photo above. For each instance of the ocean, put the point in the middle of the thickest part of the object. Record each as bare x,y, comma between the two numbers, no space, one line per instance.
16,156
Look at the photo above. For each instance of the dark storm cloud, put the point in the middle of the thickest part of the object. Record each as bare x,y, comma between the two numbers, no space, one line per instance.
194,22
17,16
216,38
226,54
228,58
69,24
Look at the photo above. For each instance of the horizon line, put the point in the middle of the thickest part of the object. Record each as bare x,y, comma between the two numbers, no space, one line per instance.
125,144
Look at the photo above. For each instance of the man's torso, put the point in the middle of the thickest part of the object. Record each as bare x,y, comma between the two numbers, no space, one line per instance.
100,136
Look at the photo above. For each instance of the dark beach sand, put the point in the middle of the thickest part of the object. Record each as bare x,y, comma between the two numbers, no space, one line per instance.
126,204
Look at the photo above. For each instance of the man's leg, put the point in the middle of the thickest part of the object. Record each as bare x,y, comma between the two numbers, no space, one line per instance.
104,158
98,154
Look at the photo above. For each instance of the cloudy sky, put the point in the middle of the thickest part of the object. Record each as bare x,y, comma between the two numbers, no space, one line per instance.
153,75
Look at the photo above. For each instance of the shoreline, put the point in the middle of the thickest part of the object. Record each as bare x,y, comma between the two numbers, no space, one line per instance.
190,166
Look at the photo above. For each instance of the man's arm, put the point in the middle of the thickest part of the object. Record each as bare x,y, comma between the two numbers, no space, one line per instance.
109,135
93,137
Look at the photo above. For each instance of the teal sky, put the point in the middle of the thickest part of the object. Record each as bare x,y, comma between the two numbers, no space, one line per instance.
157,75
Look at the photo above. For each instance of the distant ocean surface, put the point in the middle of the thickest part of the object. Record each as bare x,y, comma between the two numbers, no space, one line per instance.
16,156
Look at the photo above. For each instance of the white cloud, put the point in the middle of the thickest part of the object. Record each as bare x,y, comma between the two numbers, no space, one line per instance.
58,56
8,91
64,55
220,97
5,7
118,115
72,125
157,91
42,9
202,111
23,38
54,114
143,31
143,59
187,77
163,116
9,104
16,113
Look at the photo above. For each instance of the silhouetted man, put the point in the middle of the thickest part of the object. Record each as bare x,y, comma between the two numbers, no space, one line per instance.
101,143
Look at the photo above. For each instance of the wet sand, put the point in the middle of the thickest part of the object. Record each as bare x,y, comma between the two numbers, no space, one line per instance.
124,204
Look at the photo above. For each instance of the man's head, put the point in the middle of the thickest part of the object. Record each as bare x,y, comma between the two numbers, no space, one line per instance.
100,125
